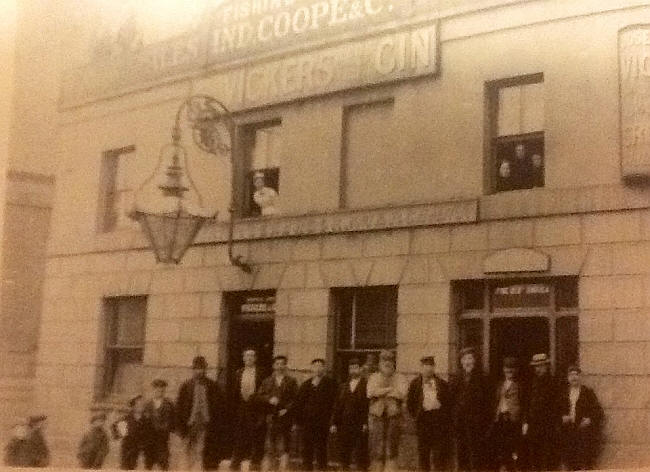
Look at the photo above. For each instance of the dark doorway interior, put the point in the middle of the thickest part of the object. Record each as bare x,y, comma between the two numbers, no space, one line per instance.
251,326
517,337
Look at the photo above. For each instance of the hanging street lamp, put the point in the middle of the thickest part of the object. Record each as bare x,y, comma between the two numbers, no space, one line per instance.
172,221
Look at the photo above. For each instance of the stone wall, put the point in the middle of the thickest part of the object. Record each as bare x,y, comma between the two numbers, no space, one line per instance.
610,252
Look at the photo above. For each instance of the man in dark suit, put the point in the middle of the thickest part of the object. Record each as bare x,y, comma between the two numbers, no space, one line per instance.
198,413
582,418
159,412
541,417
313,413
278,394
250,427
428,403
470,412
350,418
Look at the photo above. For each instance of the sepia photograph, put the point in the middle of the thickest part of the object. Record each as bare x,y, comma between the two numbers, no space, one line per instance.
325,235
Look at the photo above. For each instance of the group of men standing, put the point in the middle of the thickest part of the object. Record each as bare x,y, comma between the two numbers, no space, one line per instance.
510,425
507,426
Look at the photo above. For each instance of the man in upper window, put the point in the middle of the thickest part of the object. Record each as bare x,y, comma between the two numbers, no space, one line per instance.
198,410
582,418
428,403
537,162
264,197
504,177
313,413
521,168
250,428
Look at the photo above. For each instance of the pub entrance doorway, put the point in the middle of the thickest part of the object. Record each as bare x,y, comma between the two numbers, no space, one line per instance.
251,327
519,318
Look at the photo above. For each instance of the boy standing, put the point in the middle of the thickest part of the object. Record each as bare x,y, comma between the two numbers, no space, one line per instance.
159,412
93,448
17,451
133,430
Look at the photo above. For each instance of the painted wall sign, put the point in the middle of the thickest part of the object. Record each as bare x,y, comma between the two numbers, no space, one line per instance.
275,50
634,79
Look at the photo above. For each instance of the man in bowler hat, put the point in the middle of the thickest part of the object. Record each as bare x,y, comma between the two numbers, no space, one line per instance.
198,412
470,412
541,416
350,418
313,412
428,403
159,412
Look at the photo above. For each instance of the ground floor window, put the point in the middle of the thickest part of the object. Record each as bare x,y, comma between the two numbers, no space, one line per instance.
366,323
519,318
124,345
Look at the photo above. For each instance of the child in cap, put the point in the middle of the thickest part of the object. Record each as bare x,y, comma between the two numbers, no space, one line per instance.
93,447
18,451
133,430
159,412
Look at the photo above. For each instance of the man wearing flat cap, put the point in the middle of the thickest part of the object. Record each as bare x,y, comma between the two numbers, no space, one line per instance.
505,431
470,411
582,418
198,412
387,391
159,412
428,402
350,418
94,445
540,416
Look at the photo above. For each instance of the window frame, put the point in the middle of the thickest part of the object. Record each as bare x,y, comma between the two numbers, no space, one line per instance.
487,313
491,127
246,134
107,215
111,348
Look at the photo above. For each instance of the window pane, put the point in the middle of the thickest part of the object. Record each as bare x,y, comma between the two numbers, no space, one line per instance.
367,132
375,321
131,321
128,375
509,111
521,295
344,308
520,163
471,334
266,148
532,108
472,294
125,177
566,292
567,334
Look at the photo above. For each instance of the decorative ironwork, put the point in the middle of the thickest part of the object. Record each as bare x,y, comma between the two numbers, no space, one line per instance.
173,228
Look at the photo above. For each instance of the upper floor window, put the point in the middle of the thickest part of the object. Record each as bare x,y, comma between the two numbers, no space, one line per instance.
124,344
118,188
517,147
262,146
